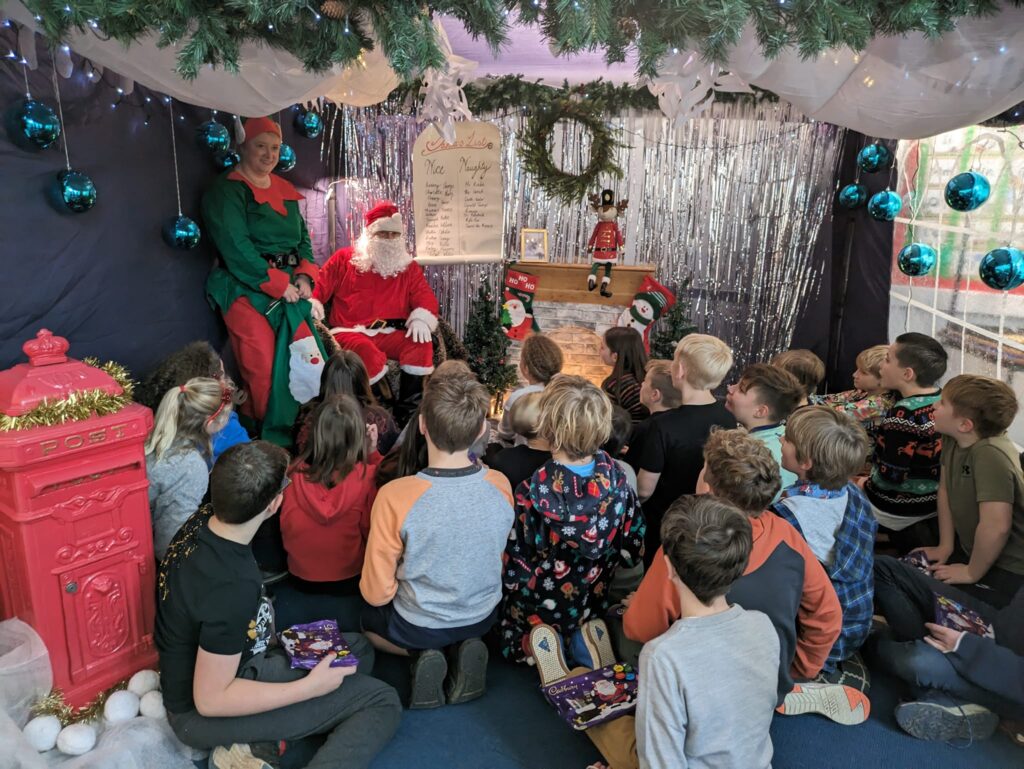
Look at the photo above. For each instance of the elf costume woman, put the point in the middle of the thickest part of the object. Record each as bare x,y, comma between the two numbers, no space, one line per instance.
263,281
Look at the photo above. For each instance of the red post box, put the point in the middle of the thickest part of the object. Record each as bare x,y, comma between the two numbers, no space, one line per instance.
76,547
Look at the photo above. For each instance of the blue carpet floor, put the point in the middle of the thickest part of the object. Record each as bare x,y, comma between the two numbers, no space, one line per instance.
512,727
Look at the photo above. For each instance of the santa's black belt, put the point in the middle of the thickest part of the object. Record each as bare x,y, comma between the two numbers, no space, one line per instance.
386,323
602,248
281,261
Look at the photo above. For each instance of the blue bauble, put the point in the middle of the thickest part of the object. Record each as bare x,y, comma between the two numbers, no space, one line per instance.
884,205
853,196
32,125
286,161
181,233
967,191
212,136
226,159
874,157
1002,268
916,259
309,124
76,191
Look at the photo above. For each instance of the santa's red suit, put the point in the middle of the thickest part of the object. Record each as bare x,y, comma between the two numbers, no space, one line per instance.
368,312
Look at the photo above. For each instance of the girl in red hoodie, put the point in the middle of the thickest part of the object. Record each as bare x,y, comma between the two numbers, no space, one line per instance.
325,516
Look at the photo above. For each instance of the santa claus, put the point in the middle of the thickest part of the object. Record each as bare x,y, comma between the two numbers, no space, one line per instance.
379,305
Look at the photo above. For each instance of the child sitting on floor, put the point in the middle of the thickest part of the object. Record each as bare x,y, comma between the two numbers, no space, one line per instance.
576,521
177,452
825,448
783,579
196,359
325,516
224,680
539,360
432,572
518,463
904,481
622,348
868,401
761,401
659,395
806,367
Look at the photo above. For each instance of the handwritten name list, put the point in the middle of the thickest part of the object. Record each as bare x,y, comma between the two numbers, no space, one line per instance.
457,193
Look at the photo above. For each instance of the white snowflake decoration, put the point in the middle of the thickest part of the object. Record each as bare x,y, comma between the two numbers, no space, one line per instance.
685,85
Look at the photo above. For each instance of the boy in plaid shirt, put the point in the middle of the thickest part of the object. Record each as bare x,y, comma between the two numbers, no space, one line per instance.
824,448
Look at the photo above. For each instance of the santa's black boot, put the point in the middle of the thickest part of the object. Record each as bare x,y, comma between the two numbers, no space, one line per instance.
605,282
410,393
591,282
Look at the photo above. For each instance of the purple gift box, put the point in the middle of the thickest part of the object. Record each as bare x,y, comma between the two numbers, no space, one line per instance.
307,644
594,697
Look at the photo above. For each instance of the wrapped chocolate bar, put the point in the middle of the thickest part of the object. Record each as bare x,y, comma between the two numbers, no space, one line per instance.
594,697
307,644
956,616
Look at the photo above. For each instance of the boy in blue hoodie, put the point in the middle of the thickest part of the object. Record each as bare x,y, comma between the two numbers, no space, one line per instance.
577,520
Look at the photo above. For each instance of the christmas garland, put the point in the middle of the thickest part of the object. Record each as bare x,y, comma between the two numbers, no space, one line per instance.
536,156
322,33
53,704
76,406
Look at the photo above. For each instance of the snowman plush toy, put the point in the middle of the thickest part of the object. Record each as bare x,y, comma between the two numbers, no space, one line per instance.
649,303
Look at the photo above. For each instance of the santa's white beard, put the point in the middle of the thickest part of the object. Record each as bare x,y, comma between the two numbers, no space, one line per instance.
384,257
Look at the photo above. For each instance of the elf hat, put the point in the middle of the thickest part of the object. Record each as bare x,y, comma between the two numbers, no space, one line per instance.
655,299
255,126
383,217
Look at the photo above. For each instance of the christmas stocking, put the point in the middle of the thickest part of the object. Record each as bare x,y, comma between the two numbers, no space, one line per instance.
649,304
305,365
517,311
298,362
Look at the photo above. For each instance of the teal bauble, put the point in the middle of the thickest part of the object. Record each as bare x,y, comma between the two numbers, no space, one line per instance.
967,191
287,159
853,196
76,191
32,125
309,124
1002,268
916,259
212,136
884,205
181,233
227,159
874,157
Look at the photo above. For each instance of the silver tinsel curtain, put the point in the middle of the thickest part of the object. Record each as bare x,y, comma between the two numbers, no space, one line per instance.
733,200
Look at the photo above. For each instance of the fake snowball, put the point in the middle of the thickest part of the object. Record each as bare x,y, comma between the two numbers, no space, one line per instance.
42,732
76,739
121,706
144,681
152,705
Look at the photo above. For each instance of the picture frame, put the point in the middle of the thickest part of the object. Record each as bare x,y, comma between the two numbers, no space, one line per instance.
533,245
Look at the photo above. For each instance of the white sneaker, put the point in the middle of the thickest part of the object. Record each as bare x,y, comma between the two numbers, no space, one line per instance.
843,704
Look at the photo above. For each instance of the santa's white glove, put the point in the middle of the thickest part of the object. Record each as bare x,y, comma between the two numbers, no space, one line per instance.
316,309
418,330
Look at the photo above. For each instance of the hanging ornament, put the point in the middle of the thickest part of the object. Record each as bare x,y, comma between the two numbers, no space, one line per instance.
32,125
853,196
874,157
334,9
287,159
1002,268
227,159
967,191
212,136
179,231
916,259
884,205
685,85
76,190
444,100
309,123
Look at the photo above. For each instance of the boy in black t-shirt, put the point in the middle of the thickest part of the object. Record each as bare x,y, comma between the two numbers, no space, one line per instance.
225,681
673,450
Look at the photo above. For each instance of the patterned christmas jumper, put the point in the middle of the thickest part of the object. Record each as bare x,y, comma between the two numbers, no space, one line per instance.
571,533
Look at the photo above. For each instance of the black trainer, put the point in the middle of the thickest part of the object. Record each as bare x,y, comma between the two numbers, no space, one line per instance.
428,674
469,679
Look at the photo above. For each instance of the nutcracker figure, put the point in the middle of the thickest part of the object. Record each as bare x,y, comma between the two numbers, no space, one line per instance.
606,240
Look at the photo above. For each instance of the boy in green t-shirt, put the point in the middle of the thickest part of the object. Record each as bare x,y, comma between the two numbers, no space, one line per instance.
981,491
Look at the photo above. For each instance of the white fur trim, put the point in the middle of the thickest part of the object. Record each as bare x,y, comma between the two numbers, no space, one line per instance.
391,223
380,376
422,313
417,370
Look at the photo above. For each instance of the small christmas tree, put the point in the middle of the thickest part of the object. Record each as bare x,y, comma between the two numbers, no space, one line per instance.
487,345
673,326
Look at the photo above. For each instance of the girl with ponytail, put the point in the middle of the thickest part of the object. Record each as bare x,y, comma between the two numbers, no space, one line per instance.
178,452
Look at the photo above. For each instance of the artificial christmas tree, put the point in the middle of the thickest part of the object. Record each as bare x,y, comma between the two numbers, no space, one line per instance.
487,345
673,326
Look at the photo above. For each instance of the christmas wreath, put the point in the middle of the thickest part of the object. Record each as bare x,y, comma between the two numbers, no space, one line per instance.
536,155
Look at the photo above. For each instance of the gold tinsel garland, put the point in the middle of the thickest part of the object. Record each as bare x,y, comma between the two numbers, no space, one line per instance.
53,704
76,406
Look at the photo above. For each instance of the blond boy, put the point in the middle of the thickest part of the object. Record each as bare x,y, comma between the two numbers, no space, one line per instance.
868,401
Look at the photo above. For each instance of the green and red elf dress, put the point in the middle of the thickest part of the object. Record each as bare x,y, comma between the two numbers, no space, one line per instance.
264,245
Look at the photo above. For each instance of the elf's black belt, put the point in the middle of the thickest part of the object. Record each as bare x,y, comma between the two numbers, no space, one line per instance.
282,261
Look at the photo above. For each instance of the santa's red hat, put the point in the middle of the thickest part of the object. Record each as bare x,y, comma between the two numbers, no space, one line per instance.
383,217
